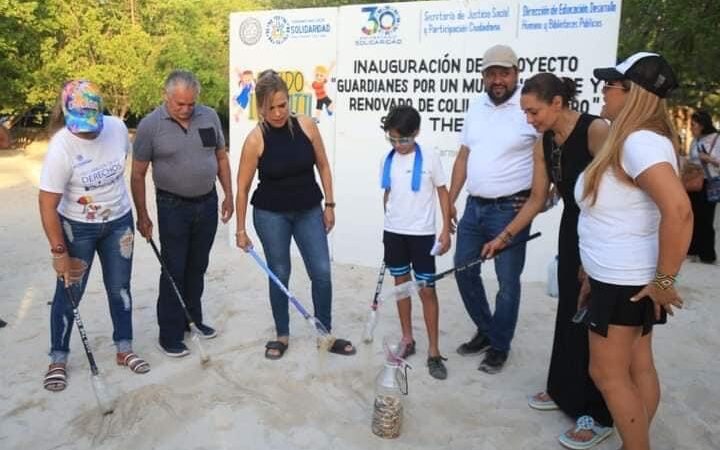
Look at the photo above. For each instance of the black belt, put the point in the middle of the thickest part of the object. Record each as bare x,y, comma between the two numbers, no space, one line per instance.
198,199
520,195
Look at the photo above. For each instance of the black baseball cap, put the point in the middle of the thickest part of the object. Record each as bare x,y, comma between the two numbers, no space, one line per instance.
650,71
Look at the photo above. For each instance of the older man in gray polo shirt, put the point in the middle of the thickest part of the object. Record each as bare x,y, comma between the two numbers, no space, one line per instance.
185,144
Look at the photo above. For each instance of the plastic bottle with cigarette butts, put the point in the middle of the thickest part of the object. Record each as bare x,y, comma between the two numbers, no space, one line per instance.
390,387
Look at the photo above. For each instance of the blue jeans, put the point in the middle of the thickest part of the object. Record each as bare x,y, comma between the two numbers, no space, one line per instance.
113,242
481,223
308,229
187,231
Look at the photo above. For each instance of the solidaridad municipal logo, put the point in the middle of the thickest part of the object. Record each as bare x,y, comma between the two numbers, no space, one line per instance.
277,30
250,31
384,20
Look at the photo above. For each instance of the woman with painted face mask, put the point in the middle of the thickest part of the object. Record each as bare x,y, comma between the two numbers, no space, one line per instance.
634,230
85,209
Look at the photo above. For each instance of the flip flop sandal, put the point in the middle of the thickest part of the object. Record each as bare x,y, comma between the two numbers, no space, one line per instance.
55,378
133,362
586,423
275,345
339,347
535,402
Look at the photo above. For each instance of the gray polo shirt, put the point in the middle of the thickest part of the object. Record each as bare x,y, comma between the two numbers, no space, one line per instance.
183,161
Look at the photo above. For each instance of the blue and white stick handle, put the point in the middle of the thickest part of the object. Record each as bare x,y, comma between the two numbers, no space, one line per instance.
315,322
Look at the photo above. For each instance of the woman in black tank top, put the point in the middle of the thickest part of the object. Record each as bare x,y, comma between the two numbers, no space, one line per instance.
285,150
568,143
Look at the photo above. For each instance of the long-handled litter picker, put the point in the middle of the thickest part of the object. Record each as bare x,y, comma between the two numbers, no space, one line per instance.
373,314
411,287
102,395
195,332
325,339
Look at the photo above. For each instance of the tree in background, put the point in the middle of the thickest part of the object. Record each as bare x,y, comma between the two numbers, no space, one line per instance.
129,46
686,33
22,27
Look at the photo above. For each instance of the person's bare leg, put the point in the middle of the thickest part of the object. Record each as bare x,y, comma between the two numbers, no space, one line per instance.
404,308
644,375
610,361
431,313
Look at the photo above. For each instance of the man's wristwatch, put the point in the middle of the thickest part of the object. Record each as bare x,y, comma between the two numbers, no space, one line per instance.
329,204
58,249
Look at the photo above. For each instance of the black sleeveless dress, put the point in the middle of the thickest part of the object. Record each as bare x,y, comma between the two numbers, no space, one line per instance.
569,383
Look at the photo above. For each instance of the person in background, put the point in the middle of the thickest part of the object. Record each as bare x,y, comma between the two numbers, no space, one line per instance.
569,141
411,177
496,159
184,142
634,230
285,149
85,209
705,152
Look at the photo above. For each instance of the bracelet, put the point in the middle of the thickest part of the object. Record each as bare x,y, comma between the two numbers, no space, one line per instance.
329,204
239,232
58,256
506,236
663,281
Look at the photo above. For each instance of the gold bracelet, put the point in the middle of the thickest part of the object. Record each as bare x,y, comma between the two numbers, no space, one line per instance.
663,281
239,232
506,236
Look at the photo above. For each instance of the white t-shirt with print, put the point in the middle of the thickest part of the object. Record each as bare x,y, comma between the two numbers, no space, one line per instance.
89,173
408,212
500,140
619,240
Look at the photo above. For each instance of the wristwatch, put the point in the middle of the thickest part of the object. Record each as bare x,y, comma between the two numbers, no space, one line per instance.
329,204
58,249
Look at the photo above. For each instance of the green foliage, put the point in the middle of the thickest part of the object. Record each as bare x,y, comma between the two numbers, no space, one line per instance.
22,27
129,46
686,33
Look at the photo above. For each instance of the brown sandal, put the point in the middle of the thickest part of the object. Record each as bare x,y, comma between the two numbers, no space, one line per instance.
55,378
133,362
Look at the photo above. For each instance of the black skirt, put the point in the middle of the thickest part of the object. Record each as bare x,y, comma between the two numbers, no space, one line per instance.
610,305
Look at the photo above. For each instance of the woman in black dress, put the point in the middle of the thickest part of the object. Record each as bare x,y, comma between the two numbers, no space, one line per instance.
569,141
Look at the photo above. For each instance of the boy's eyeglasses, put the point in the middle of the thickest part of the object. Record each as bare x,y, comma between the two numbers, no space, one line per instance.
400,141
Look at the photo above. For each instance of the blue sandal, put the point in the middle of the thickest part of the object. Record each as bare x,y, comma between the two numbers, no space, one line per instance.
535,402
586,423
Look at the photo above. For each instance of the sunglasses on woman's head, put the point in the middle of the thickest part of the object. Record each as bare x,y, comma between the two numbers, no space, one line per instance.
556,162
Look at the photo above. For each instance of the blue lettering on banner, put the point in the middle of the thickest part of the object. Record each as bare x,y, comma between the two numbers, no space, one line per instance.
558,16
380,26
465,21
279,29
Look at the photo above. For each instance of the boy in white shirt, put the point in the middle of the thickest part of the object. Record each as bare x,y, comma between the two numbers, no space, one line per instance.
409,177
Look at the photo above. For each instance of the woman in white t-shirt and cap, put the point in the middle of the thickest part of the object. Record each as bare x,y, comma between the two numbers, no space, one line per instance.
85,209
634,231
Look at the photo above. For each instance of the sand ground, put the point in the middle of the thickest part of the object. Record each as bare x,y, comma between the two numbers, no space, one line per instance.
306,400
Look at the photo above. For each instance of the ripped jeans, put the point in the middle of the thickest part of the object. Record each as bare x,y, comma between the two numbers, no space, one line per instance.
113,242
